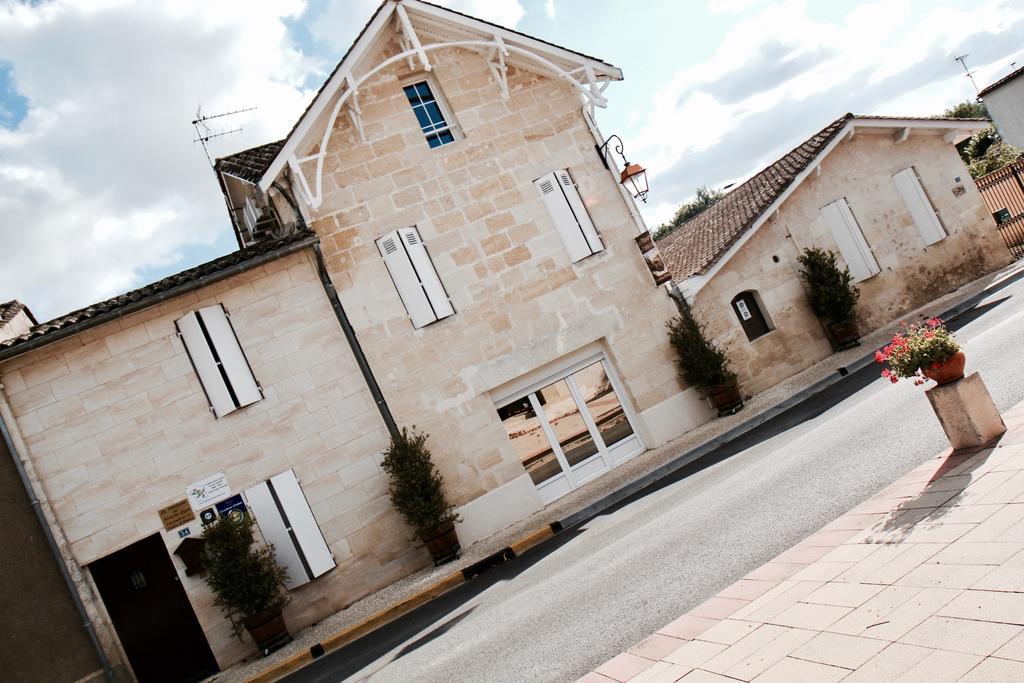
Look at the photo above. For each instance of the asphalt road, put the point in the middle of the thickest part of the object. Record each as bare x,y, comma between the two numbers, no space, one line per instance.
570,604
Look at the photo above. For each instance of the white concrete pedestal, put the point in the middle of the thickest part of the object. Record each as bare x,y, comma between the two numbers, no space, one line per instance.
966,412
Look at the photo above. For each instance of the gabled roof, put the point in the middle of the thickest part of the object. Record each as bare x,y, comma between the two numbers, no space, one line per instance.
11,309
1001,82
250,164
154,293
697,245
440,25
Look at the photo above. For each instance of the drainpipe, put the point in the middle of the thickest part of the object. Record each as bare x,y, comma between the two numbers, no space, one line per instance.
108,671
346,326
353,342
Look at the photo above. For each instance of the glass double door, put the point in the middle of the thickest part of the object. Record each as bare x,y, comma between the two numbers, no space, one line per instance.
570,430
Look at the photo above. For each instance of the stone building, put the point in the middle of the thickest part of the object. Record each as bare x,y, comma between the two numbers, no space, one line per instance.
890,195
436,243
1004,100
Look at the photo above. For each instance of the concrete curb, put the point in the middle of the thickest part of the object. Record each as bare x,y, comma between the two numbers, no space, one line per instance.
542,534
385,616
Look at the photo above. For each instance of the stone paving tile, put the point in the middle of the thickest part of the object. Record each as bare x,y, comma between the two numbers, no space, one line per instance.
850,553
993,669
961,635
920,533
594,677
764,657
777,600
789,670
687,627
774,571
946,575
656,646
961,514
1007,608
878,610
983,485
694,653
745,648
816,617
853,522
965,552
623,667
1007,492
662,672
718,607
822,571
802,554
940,667
1012,650
701,676
728,631
748,589
828,539
909,614
836,649
843,594
889,664
890,563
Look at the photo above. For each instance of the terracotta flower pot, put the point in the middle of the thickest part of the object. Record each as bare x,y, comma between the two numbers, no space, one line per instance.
845,334
726,398
950,370
443,544
268,629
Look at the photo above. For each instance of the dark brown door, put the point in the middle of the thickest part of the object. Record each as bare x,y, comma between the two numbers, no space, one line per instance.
152,614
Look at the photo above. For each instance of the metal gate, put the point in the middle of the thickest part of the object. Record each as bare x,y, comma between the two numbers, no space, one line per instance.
1003,192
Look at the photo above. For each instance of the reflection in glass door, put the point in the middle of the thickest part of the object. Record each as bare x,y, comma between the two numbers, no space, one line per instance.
570,430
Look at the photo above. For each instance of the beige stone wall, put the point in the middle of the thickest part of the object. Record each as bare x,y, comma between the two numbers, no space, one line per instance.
860,170
519,302
115,425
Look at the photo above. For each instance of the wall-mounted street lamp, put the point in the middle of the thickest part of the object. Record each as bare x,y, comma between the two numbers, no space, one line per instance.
633,176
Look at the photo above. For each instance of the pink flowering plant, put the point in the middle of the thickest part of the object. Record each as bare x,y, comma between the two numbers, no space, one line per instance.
916,348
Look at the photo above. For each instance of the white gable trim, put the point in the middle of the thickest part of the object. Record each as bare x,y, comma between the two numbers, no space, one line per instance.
589,76
690,286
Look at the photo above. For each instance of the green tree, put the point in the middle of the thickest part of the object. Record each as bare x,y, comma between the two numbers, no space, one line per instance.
967,110
702,200
985,152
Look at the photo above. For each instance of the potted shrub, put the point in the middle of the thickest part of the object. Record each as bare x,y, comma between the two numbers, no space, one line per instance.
248,582
417,492
832,294
703,365
923,352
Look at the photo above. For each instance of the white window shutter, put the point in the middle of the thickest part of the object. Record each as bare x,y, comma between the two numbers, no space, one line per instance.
921,210
286,521
232,358
404,276
566,225
850,240
426,273
579,210
206,367
249,214
264,510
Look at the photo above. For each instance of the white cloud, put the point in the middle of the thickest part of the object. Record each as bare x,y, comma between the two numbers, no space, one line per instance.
779,75
102,185
549,8
337,26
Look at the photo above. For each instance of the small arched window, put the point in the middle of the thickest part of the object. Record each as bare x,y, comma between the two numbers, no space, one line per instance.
751,316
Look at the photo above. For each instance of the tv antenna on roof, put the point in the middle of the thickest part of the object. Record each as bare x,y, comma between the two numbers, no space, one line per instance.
204,133
963,62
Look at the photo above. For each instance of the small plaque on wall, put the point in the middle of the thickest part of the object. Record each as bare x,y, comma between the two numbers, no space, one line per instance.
177,514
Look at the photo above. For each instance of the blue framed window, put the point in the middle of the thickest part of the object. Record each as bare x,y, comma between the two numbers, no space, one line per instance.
428,112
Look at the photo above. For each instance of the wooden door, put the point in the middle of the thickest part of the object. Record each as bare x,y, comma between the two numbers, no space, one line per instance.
152,615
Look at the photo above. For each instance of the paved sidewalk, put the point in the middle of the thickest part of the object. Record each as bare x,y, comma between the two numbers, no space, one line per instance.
620,480
923,582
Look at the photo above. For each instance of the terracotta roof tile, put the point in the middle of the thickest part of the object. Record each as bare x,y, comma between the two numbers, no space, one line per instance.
11,309
1002,81
208,270
250,164
695,246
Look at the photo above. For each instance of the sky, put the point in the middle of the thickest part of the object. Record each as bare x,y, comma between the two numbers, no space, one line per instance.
102,188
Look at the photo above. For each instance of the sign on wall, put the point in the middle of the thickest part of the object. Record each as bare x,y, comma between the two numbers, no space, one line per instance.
176,514
653,259
741,306
207,491
233,507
